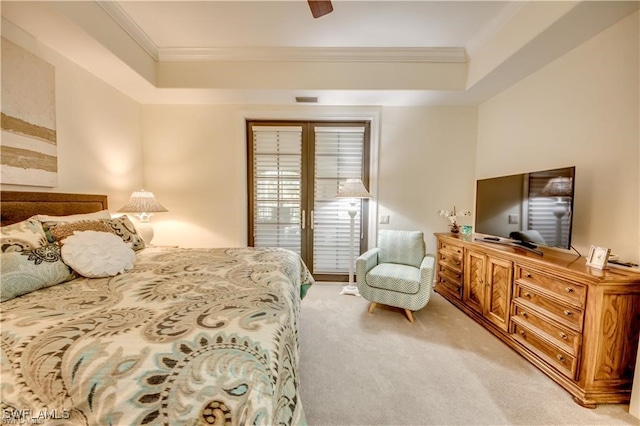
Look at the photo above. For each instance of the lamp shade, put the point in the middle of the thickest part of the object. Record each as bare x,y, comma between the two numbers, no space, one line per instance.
558,187
353,188
142,202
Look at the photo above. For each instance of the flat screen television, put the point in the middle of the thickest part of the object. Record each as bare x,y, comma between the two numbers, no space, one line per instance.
530,209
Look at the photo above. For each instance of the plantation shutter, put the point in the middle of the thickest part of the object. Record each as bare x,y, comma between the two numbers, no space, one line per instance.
338,156
277,188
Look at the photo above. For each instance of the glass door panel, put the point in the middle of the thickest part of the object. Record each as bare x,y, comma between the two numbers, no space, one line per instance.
277,187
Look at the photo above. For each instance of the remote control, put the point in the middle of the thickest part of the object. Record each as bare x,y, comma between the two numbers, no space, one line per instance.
491,238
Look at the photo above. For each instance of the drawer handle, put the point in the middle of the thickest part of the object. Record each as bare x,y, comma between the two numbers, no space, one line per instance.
564,336
523,313
568,313
569,289
528,275
522,333
527,294
560,357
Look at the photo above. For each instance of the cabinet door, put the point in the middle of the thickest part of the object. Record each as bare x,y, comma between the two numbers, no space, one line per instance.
474,272
499,275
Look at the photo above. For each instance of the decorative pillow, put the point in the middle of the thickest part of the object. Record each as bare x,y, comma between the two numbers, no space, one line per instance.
120,226
62,230
22,236
27,271
103,214
124,228
95,254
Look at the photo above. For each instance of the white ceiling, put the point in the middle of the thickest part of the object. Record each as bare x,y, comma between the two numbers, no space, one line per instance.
269,30
187,24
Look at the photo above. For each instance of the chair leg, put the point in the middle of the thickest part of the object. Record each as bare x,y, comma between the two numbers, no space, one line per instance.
409,315
372,307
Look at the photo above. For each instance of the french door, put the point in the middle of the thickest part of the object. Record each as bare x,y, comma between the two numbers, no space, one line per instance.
295,170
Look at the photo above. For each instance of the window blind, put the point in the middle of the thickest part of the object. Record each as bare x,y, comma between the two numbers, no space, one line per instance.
338,156
277,191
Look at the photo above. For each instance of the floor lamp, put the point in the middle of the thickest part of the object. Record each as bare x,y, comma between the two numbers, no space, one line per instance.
560,187
354,190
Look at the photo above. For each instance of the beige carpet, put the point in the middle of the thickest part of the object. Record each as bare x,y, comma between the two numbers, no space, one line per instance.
358,368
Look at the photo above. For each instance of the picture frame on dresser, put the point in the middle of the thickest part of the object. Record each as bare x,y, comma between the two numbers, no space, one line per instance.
598,257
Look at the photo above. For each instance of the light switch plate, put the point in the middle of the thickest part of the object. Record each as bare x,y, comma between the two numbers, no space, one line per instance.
384,219
514,219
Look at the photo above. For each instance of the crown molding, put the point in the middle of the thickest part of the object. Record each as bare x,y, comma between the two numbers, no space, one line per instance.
315,54
280,54
121,18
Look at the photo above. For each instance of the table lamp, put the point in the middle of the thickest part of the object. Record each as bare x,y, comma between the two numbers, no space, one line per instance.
143,205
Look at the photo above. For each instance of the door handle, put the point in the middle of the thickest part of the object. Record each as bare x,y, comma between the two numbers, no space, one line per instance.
311,221
304,220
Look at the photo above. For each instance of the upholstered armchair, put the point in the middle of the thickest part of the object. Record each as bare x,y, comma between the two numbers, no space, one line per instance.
396,273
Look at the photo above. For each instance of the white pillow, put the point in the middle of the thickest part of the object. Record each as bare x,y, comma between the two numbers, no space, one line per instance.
95,254
103,214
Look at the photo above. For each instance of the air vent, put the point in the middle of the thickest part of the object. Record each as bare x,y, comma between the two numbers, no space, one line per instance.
307,99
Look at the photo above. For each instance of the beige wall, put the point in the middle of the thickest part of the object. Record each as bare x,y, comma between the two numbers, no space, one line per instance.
427,163
582,110
98,130
195,163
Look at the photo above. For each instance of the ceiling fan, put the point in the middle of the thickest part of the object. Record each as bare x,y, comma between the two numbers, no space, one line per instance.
320,7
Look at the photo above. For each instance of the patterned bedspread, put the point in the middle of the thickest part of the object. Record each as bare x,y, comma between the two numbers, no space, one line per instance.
189,336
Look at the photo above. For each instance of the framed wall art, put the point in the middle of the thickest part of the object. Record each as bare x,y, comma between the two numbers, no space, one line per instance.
29,142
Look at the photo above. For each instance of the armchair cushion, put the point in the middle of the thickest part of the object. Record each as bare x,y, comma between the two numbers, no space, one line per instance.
394,277
403,247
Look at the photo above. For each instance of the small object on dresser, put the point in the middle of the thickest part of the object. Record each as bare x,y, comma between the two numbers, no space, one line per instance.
598,256
466,229
452,215
621,263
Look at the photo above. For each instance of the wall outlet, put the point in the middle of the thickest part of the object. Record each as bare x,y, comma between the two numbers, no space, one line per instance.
384,219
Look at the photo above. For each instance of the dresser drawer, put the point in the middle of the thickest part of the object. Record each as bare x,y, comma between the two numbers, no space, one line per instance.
450,286
570,292
453,250
565,337
567,315
450,274
561,360
450,261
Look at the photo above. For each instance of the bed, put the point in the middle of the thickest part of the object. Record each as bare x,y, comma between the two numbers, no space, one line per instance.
188,336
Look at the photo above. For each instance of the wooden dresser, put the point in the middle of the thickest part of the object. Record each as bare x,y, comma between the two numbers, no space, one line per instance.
577,324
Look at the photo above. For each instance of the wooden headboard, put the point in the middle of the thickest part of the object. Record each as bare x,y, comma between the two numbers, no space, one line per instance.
16,206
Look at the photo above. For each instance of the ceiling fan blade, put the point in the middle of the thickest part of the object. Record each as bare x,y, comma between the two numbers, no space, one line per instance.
320,7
